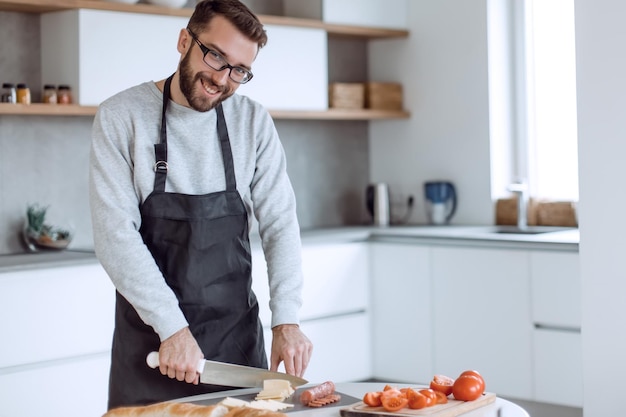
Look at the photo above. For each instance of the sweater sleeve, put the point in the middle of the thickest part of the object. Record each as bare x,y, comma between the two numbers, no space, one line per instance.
116,220
275,209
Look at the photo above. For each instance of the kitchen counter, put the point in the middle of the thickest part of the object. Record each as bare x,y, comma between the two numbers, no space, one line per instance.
476,236
500,407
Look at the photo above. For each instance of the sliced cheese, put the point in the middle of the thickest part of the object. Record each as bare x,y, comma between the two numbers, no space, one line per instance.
275,389
270,405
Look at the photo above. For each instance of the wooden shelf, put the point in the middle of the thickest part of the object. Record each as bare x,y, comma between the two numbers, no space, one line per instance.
44,6
39,109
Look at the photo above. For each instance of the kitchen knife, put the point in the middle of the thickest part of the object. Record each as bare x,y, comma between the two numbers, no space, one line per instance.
220,373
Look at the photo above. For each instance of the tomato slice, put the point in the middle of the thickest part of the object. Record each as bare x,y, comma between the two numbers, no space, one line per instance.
430,395
467,388
441,397
416,399
394,402
373,399
442,383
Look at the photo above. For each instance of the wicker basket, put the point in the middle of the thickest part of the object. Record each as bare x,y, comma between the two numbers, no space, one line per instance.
383,96
557,213
346,95
506,212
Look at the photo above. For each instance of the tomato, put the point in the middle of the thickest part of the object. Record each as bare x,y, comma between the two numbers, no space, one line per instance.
388,387
442,383
441,397
467,388
394,402
477,375
430,395
373,399
391,392
416,399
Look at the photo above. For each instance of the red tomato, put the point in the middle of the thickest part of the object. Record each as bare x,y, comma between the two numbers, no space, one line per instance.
441,397
442,383
388,387
477,375
416,400
430,395
467,388
394,402
372,399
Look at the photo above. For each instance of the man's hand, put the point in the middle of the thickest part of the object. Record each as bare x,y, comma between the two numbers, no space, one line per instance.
292,347
179,355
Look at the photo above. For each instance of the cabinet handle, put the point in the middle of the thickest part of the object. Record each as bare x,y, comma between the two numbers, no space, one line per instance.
571,329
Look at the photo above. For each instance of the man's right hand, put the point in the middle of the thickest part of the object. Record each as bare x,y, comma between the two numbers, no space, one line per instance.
179,355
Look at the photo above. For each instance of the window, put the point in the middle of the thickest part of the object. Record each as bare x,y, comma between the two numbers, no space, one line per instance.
532,77
550,85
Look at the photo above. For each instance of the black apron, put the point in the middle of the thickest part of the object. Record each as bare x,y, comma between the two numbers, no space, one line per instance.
200,243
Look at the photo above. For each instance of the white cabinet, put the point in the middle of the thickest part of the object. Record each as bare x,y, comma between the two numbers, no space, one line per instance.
481,316
288,76
334,313
374,13
401,312
59,364
87,50
556,315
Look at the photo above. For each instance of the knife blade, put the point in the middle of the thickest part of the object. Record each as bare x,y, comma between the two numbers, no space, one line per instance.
228,374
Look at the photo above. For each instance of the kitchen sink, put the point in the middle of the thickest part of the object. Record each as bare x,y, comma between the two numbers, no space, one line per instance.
529,230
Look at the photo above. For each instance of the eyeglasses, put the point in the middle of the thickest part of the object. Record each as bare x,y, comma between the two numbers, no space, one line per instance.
216,61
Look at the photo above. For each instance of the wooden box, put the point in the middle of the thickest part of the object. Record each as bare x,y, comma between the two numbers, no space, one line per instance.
346,95
383,96
557,213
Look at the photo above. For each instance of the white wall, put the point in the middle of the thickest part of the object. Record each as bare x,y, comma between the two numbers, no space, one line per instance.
443,66
601,85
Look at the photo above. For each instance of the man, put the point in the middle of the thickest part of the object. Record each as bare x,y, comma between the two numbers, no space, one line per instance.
178,167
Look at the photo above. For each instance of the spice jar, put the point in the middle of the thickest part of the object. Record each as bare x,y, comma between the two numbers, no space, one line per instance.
49,94
23,94
64,95
9,94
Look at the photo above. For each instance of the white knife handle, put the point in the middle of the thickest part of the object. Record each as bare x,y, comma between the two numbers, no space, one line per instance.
153,362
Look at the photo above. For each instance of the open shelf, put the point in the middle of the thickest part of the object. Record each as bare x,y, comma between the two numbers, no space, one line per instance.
39,109
44,6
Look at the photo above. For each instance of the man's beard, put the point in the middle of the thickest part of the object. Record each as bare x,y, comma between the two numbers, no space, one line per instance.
197,100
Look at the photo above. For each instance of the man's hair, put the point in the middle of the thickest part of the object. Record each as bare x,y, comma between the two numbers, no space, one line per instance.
235,12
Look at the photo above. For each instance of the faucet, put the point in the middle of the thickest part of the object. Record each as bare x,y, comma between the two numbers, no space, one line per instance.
521,189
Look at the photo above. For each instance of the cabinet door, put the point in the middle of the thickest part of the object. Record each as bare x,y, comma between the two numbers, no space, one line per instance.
57,313
69,388
341,348
556,289
481,310
558,367
401,312
335,280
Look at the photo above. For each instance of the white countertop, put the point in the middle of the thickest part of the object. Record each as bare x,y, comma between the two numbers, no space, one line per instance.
358,389
419,234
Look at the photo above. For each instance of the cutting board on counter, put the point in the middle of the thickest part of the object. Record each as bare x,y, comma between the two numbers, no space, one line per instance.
452,408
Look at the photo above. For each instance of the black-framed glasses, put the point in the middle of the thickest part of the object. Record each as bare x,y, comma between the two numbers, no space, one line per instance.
216,61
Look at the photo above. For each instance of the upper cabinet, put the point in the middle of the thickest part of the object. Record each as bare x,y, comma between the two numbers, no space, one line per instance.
99,55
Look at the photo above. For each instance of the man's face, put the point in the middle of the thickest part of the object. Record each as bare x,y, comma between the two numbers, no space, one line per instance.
202,86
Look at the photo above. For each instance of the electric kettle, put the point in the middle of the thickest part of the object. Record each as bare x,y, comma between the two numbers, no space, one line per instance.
377,202
441,201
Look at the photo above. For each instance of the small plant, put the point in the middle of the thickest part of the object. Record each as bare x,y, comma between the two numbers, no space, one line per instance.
42,233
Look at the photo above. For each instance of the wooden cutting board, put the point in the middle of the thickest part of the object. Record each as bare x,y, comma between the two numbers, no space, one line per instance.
452,408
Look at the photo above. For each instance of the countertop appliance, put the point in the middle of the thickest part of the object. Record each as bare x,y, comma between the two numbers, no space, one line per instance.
377,201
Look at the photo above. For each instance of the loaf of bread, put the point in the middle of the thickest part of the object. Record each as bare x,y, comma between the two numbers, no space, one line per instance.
173,409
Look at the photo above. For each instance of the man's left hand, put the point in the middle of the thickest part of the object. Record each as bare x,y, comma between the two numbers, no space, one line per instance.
292,347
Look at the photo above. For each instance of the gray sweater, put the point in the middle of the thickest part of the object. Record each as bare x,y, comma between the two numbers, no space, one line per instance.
121,177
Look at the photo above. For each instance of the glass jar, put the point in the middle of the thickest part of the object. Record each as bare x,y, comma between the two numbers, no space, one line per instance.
49,94
64,95
23,94
9,94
